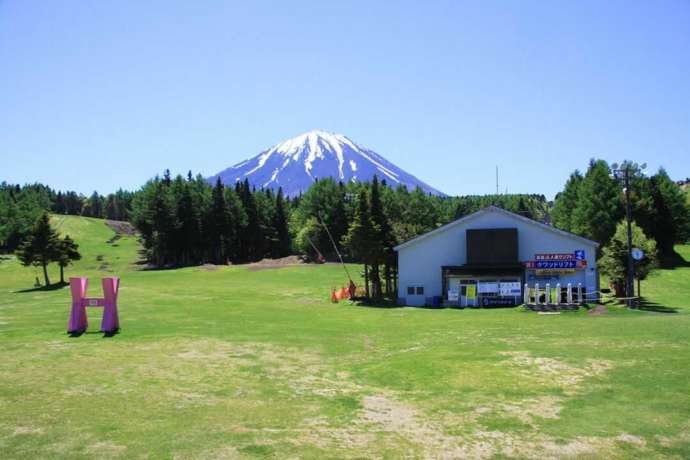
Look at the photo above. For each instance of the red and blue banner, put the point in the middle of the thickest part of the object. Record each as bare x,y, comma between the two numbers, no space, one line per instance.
558,261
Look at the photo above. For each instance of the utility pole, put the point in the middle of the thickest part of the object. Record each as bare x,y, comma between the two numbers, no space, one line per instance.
628,217
623,173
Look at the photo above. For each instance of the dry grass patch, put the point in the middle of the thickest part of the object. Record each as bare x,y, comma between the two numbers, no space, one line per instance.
556,372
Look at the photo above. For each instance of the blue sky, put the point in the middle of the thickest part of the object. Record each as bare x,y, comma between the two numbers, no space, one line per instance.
101,95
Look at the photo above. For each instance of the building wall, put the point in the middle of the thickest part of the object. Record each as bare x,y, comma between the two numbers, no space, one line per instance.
420,263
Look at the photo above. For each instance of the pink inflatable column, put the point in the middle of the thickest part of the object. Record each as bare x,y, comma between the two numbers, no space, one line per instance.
111,320
77,318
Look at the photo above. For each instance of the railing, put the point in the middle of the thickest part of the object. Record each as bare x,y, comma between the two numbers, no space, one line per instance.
570,295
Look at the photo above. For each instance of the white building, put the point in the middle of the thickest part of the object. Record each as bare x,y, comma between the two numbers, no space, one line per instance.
485,258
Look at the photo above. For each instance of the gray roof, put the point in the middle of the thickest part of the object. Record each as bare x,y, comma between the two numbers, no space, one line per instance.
469,217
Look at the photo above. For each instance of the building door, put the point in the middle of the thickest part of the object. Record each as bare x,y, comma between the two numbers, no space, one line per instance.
468,293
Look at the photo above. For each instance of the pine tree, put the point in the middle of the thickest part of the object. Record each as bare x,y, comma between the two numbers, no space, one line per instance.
361,237
522,209
253,236
237,221
163,224
566,202
280,224
337,217
218,224
384,242
41,246
672,222
188,232
599,206
94,206
68,251
462,208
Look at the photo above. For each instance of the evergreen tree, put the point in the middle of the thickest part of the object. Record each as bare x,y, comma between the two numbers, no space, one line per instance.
252,234
672,222
280,223
218,224
59,206
566,202
361,237
522,209
462,209
599,206
41,246
614,260
237,222
68,251
94,206
111,208
188,232
324,202
383,237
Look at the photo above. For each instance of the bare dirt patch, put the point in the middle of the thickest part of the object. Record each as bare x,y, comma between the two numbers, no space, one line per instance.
121,227
106,448
209,267
530,410
267,264
598,310
556,371
20,430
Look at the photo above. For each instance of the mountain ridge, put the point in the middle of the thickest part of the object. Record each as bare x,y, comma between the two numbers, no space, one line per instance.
296,163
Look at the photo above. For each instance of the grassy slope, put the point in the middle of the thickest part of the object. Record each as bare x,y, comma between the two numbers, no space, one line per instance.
233,363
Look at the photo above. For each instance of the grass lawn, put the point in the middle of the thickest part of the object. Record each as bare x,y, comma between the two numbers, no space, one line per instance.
233,363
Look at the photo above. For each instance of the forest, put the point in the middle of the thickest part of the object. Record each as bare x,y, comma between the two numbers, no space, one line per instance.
188,221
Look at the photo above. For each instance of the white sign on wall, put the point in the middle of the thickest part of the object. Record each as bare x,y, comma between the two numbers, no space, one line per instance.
484,288
510,289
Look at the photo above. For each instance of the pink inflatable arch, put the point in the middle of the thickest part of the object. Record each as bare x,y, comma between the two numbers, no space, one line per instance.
78,321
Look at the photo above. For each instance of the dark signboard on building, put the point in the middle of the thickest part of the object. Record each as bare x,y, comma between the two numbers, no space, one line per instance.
498,301
493,246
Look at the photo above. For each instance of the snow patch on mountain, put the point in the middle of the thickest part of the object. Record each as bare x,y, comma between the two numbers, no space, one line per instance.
296,163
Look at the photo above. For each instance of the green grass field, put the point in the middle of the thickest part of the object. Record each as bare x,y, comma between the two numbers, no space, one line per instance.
233,363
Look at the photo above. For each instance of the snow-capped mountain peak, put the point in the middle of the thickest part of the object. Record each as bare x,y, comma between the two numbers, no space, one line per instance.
296,163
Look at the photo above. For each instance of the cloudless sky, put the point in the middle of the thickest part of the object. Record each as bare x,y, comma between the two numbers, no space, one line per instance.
106,94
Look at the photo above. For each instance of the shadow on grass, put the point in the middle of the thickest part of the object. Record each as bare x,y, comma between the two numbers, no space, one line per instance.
388,303
51,287
371,303
106,335
646,305
673,261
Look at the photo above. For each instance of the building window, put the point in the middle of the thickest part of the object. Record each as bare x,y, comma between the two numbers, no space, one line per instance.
415,290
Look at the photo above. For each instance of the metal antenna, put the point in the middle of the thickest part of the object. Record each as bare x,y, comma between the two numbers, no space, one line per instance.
496,179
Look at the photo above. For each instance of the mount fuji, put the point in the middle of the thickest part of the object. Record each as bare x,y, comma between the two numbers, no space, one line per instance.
296,163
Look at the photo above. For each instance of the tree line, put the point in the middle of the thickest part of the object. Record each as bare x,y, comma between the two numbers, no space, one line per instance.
186,221
21,206
593,205
42,246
